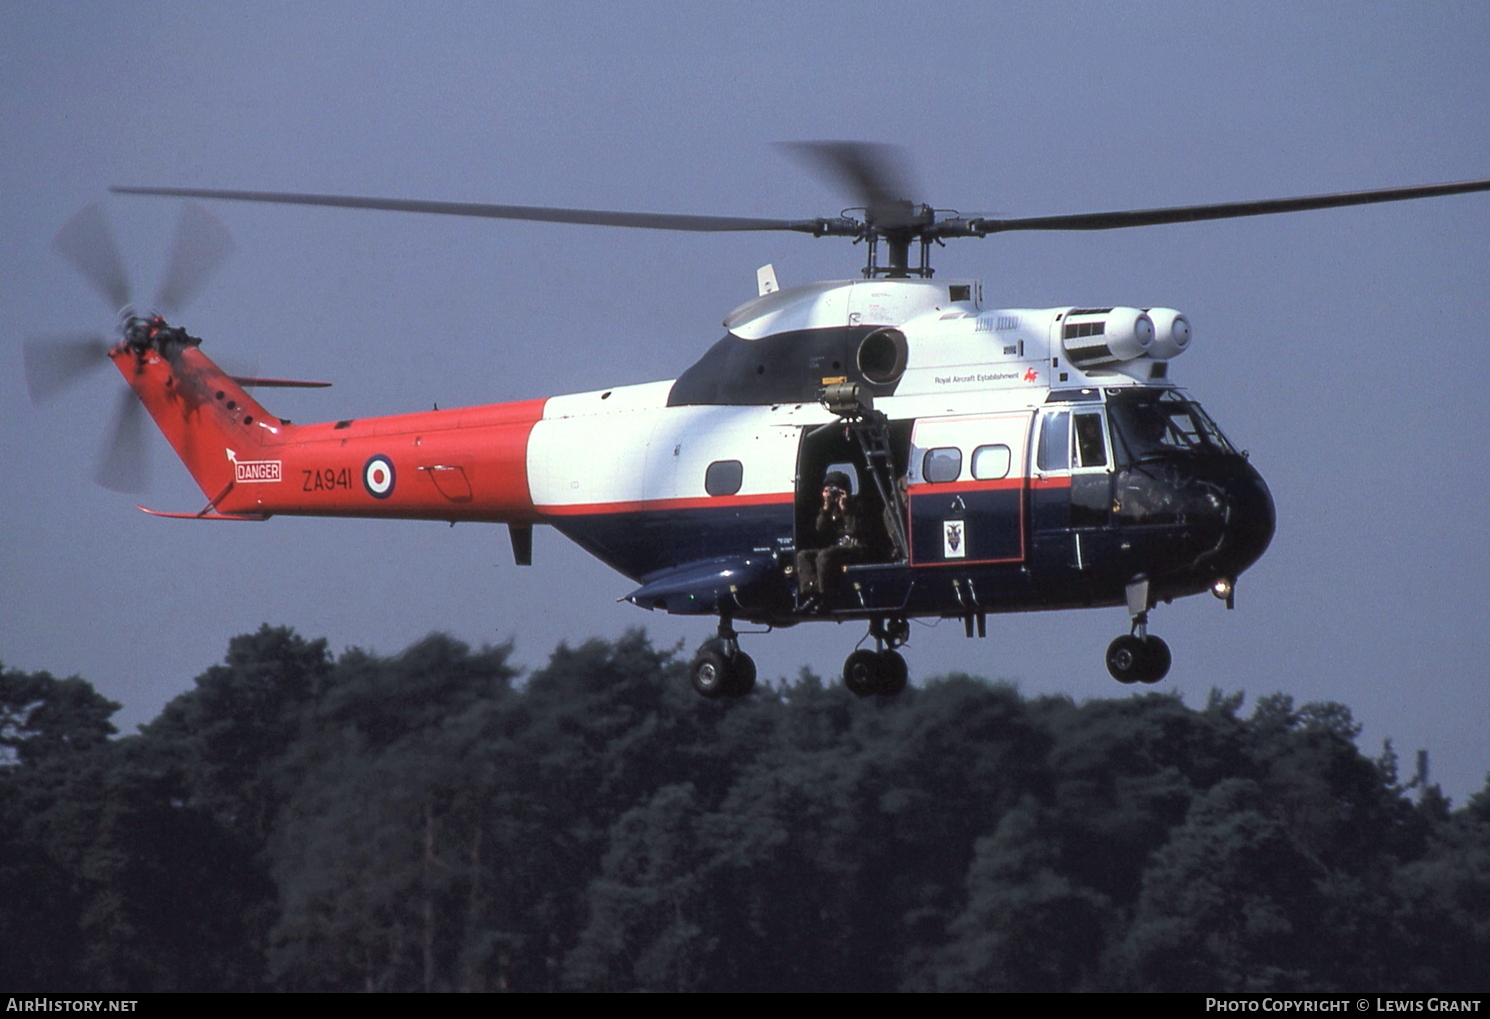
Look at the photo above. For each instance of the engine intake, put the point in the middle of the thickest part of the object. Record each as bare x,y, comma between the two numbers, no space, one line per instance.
1171,333
882,356
1098,337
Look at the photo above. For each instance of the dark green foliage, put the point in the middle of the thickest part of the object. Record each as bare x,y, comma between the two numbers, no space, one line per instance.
52,734
43,718
425,821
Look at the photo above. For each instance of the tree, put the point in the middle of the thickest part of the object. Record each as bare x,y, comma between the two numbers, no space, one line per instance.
380,853
44,718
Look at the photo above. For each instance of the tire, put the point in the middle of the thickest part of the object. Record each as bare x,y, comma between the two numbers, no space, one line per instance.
861,672
1126,659
711,673
744,675
893,674
1157,659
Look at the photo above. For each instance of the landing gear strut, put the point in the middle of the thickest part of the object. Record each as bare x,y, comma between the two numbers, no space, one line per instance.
720,668
881,671
1138,656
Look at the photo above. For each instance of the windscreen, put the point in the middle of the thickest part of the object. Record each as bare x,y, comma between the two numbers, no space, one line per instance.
1148,423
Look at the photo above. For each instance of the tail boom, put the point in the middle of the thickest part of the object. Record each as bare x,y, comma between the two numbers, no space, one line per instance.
466,464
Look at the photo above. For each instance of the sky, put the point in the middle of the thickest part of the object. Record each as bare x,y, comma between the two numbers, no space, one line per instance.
1343,349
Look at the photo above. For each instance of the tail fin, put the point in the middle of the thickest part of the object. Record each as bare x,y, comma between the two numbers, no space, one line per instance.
208,418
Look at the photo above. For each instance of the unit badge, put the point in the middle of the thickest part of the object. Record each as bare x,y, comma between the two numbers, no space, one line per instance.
953,544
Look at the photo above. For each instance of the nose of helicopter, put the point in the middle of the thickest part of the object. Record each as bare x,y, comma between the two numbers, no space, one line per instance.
1249,520
1219,505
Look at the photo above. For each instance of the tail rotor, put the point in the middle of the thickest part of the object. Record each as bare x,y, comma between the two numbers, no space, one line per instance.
86,241
124,463
201,246
58,363
54,364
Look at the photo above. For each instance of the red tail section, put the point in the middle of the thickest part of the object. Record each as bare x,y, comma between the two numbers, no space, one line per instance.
466,464
209,420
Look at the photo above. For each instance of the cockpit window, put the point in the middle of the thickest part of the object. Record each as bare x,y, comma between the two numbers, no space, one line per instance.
1091,451
1054,453
1150,424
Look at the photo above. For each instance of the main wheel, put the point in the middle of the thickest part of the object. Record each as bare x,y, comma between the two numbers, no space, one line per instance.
1126,659
710,672
893,674
1157,659
861,672
743,668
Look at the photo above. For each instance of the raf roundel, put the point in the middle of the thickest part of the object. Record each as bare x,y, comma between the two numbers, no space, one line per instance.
377,476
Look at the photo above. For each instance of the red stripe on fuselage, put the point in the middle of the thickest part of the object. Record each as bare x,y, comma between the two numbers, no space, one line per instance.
937,487
662,505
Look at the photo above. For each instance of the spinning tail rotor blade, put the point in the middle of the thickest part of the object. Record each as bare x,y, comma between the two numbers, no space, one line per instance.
52,365
55,363
202,244
87,242
123,466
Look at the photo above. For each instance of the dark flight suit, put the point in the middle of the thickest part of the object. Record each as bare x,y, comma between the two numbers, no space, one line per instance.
818,567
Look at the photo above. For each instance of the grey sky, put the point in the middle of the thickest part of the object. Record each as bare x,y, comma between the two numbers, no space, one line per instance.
1344,349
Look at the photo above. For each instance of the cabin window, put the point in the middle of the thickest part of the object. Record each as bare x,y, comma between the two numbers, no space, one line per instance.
1091,449
1055,441
941,464
991,462
724,477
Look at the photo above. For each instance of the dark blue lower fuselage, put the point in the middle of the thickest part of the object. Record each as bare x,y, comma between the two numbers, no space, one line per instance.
1182,522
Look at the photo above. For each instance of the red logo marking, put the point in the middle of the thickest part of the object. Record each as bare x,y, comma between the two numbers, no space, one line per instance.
1031,375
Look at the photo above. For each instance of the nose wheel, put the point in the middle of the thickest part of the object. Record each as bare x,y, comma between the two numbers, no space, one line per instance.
1135,659
1138,656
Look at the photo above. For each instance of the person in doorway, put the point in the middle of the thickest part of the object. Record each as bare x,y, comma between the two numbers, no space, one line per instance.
838,527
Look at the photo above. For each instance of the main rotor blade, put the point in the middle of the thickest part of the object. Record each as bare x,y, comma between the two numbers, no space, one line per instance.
56,363
87,242
536,213
124,466
202,244
1225,210
876,175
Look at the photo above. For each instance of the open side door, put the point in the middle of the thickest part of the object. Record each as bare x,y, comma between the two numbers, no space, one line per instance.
873,454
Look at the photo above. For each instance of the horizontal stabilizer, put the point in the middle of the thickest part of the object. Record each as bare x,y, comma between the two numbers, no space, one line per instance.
249,382
203,515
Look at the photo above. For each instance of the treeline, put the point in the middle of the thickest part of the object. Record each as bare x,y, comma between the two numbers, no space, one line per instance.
434,821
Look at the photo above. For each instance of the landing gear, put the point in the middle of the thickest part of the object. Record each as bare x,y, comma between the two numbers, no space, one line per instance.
1134,659
1138,656
721,669
882,671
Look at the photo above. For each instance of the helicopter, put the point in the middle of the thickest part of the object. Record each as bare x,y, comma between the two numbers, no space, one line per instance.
877,449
